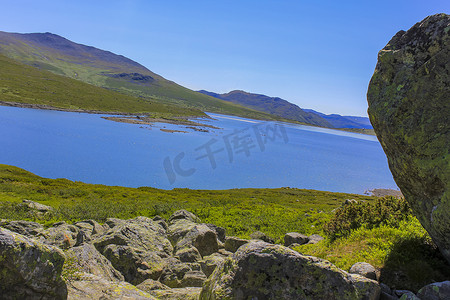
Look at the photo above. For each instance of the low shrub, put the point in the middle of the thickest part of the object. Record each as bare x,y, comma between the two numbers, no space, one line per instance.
384,211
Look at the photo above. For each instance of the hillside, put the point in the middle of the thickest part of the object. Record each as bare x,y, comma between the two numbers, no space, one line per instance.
271,105
20,83
54,53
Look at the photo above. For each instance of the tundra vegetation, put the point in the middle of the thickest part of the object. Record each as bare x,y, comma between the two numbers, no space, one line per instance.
380,231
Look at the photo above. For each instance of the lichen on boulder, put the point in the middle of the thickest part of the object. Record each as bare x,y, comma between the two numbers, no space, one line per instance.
136,247
409,108
30,269
259,270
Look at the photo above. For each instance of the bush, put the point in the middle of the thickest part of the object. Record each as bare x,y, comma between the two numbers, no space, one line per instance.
384,211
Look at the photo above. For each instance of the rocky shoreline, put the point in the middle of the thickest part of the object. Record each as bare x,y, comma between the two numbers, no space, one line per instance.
178,258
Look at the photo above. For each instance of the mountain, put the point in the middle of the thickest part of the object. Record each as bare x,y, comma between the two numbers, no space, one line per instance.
20,83
54,53
285,109
339,121
271,105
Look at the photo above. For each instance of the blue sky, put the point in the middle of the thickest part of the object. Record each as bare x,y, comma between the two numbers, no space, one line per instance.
316,54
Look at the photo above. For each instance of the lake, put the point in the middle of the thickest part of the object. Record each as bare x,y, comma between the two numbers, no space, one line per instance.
242,153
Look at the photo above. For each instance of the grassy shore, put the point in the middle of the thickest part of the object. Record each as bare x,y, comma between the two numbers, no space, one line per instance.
397,246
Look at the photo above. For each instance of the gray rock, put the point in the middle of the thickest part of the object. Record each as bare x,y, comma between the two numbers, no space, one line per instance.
315,238
37,206
113,222
183,215
184,233
387,296
150,285
400,293
409,296
94,287
409,109
220,231
96,227
87,259
193,279
29,268
210,263
178,275
295,237
385,288
364,269
225,252
26,228
258,235
62,235
350,201
435,291
233,243
259,270
189,293
136,247
188,254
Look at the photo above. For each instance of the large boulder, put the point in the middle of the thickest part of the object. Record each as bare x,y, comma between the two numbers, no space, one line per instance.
435,291
62,235
188,293
178,275
136,247
30,269
93,287
87,259
295,238
364,269
233,243
186,234
409,108
259,270
26,228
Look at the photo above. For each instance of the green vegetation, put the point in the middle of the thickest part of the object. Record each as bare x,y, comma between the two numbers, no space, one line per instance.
240,211
380,231
385,234
24,84
49,52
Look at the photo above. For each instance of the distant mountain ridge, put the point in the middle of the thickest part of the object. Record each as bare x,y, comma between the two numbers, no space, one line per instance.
339,121
271,105
285,109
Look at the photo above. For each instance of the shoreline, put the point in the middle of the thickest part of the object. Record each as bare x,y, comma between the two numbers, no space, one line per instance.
130,118
134,118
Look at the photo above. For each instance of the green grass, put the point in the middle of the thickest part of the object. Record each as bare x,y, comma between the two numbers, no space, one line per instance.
385,234
240,211
24,84
397,245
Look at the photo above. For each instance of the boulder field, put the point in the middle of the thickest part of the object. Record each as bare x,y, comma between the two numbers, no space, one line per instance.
180,258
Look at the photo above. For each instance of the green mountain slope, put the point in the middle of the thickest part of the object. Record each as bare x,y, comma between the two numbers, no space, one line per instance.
271,105
53,53
24,84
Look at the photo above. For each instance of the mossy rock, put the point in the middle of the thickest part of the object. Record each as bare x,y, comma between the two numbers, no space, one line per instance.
409,108
259,270
30,269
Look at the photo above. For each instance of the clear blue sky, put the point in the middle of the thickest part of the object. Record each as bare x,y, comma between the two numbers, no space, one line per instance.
317,54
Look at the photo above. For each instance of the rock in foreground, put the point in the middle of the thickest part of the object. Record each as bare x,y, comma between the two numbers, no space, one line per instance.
29,268
409,108
259,270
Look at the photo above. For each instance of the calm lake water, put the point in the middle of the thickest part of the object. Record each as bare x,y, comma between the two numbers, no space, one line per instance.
243,153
